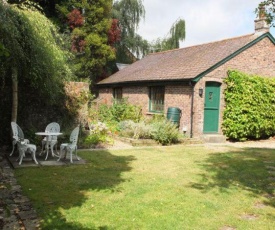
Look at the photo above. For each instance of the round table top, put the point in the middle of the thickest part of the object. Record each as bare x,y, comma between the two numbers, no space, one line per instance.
48,133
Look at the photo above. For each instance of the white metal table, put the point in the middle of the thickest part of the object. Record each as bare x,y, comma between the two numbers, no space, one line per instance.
48,135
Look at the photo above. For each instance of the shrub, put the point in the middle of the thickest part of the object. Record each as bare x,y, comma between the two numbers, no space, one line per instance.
165,132
159,129
135,130
250,107
119,112
98,133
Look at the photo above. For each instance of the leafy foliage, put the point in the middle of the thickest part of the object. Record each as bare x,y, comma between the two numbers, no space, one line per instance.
119,112
159,129
177,34
89,39
35,48
129,13
98,133
114,33
139,130
75,19
267,7
165,132
250,107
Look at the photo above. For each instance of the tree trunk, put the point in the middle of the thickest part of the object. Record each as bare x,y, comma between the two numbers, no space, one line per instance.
14,94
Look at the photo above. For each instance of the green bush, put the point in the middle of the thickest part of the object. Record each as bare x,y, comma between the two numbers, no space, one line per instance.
250,107
99,133
158,128
165,132
119,112
131,129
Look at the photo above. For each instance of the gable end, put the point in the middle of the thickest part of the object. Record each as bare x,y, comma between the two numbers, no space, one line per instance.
266,35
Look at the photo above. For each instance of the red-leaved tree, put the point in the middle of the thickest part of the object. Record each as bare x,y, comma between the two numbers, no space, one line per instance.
78,44
114,33
75,19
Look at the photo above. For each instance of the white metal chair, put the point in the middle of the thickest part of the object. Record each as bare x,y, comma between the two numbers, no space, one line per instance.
52,140
17,134
71,147
23,148
23,145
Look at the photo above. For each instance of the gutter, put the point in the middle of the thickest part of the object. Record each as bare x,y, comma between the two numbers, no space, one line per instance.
144,83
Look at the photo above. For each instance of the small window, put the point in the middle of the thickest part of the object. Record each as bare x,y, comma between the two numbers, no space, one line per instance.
156,99
117,94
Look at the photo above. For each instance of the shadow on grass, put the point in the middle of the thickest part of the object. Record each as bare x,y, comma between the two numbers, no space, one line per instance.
68,187
249,169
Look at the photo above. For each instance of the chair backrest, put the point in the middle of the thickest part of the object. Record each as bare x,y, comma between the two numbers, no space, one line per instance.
17,131
74,135
53,128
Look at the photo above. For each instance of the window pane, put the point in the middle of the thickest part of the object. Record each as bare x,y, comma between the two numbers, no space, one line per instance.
117,94
157,99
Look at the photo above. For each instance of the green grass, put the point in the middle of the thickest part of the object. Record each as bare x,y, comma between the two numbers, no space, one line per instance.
175,187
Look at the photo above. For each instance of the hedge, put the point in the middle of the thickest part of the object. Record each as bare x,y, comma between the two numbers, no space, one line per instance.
250,106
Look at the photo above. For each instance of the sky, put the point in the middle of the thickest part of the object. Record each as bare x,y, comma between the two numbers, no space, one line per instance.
205,20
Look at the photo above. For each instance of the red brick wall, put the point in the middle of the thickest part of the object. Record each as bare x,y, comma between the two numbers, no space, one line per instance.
175,96
73,91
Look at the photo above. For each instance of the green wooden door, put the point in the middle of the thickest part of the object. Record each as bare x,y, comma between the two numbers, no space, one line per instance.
211,107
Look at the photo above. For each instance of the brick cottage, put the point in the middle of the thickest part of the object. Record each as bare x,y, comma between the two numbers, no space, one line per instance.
191,78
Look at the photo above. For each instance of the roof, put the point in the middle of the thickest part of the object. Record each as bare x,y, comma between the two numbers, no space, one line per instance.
184,64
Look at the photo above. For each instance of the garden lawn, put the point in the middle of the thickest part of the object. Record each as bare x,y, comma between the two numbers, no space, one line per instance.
174,187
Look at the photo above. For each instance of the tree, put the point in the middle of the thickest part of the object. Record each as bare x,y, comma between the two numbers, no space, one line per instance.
34,57
172,41
268,8
89,39
129,13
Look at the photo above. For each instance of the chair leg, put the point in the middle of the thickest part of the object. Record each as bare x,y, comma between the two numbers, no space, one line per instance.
21,155
47,151
13,147
56,149
60,154
71,155
42,148
33,156
76,154
52,149
54,146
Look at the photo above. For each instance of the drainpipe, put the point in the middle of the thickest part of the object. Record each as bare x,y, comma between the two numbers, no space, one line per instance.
192,106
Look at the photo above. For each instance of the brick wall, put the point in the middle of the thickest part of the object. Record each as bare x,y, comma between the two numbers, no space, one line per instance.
175,96
74,91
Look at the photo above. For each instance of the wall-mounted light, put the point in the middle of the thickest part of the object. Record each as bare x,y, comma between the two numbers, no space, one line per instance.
201,91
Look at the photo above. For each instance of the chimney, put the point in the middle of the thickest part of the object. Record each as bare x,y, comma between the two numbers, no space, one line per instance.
261,25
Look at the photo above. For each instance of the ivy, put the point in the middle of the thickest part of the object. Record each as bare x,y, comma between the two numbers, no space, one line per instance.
250,107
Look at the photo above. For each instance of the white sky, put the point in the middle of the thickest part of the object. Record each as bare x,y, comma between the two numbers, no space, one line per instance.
205,20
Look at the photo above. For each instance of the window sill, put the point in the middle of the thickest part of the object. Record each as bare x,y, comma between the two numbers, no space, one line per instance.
154,113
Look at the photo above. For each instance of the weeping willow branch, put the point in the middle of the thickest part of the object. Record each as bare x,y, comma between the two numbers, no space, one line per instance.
172,40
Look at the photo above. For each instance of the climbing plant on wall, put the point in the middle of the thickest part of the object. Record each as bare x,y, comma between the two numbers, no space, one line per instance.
250,106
